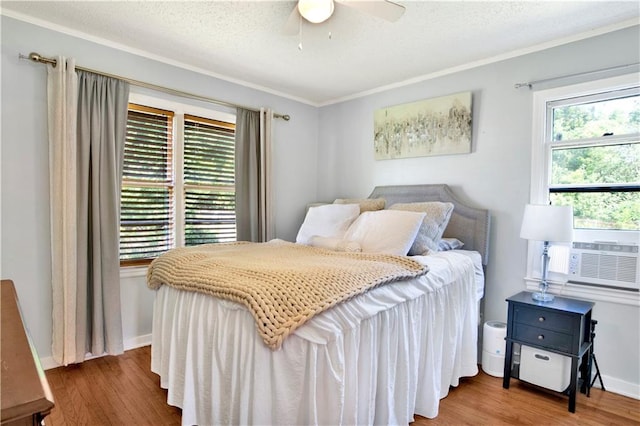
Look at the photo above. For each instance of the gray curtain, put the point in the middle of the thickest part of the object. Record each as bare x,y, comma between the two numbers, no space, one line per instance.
248,172
101,132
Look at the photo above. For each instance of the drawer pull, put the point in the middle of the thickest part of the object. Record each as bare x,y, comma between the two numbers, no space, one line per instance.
541,319
542,357
540,337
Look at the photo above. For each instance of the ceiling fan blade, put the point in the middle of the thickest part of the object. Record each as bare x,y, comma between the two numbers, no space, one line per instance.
292,26
384,9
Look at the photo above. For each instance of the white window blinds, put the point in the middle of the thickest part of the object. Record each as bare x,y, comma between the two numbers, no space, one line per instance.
147,208
178,186
209,181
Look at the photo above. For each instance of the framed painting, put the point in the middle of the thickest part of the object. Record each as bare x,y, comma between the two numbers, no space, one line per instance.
437,126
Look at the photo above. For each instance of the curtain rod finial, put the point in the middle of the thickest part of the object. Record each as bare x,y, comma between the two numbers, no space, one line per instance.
35,57
520,85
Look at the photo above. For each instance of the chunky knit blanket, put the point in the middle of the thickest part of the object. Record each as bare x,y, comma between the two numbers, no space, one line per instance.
282,284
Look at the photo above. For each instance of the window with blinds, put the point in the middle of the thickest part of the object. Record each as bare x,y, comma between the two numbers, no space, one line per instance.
147,203
178,185
209,181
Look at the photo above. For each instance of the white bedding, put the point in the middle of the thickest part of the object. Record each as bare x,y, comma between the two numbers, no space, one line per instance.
379,358
479,271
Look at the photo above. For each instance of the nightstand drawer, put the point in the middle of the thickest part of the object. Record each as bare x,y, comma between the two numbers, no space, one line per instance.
542,337
548,320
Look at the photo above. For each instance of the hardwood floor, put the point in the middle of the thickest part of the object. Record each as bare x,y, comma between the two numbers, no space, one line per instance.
481,400
112,390
122,390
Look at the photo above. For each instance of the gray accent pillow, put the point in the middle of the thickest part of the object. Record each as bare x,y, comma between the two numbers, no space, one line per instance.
446,244
433,225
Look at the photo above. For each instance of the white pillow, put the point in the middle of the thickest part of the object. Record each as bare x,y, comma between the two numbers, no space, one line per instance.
329,220
335,244
385,231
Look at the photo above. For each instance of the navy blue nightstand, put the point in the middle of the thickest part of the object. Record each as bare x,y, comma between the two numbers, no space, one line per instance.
562,326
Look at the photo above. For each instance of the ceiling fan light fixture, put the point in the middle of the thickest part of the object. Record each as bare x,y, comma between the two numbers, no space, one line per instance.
315,11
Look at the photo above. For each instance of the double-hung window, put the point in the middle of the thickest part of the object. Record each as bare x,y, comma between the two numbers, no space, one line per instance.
594,145
178,184
586,154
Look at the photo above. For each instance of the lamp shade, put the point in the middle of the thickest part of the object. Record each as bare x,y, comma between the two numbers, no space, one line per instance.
315,11
547,223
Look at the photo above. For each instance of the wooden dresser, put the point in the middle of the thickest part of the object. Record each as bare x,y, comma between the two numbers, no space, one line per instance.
26,397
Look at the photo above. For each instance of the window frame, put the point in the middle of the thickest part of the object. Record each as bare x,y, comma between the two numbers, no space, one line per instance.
200,186
180,109
601,141
168,182
540,190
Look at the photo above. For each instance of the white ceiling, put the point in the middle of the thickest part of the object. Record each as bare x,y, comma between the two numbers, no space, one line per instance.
243,41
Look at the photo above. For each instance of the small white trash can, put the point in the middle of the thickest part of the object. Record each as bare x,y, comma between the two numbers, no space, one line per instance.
493,347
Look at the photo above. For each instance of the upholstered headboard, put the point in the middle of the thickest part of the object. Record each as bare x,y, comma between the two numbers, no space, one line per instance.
468,224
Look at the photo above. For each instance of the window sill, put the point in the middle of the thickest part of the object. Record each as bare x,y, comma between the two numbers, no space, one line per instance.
603,294
133,271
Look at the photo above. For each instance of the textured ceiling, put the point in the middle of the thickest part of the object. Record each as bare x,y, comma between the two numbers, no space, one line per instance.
243,41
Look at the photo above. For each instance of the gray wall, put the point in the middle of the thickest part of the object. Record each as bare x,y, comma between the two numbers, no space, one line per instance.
25,242
496,175
322,153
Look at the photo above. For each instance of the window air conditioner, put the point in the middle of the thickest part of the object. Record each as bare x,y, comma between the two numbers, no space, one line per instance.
605,264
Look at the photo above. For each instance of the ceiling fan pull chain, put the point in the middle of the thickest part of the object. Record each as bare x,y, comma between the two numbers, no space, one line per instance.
300,34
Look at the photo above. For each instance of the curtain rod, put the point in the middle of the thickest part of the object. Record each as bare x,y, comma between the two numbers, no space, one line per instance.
531,83
35,57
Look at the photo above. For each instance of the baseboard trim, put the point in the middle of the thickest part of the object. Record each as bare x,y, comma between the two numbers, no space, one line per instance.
621,387
137,342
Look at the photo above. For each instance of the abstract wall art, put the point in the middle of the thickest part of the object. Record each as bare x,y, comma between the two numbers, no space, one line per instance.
437,126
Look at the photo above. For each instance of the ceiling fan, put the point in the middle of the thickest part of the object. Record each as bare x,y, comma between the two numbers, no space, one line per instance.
317,11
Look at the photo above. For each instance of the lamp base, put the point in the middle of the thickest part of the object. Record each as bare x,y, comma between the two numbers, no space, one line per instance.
542,297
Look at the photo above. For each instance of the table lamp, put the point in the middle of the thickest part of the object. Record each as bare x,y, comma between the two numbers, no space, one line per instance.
548,224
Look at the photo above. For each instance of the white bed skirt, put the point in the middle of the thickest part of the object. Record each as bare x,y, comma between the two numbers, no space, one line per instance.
377,359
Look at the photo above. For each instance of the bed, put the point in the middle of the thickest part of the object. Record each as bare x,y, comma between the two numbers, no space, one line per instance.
378,358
